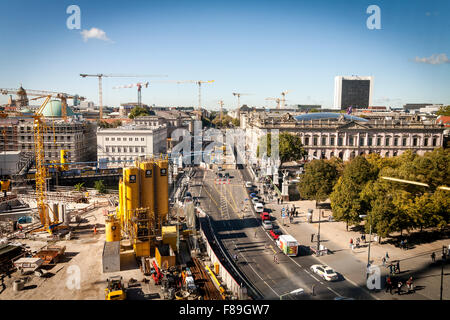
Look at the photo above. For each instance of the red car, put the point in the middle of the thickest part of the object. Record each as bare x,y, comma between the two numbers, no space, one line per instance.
265,216
275,234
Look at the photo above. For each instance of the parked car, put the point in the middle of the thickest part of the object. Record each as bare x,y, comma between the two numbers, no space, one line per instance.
219,175
248,184
227,175
275,233
325,272
259,208
219,168
265,216
267,224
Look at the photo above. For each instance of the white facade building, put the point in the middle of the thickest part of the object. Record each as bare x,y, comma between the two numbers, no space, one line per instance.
131,142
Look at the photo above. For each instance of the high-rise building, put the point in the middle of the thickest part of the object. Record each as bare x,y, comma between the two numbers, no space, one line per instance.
353,92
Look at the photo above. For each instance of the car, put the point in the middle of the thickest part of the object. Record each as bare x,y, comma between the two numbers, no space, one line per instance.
248,184
219,168
259,208
267,224
265,216
275,233
227,175
220,175
324,271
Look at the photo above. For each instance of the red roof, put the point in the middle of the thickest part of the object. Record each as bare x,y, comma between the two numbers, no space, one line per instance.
444,119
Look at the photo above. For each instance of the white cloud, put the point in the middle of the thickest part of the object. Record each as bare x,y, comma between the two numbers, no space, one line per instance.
95,33
434,59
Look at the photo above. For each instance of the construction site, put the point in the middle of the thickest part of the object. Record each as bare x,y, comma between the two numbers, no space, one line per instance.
140,240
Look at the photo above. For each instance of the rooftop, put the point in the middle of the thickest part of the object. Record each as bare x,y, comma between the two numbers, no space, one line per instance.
327,115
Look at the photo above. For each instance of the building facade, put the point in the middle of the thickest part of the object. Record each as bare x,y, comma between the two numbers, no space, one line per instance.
131,142
352,91
325,138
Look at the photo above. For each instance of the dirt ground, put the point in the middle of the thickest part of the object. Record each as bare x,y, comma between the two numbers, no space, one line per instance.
79,276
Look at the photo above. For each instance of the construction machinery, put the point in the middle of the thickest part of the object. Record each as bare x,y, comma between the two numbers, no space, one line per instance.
238,95
115,289
100,76
283,99
277,100
139,86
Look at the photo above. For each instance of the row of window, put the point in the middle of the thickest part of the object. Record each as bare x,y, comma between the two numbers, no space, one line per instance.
123,139
396,141
125,149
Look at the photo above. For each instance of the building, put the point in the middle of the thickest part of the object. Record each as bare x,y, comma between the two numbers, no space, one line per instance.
130,142
417,106
353,92
325,135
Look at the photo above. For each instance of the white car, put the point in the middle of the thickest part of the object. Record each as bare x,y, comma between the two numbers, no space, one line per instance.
248,184
259,208
325,272
267,225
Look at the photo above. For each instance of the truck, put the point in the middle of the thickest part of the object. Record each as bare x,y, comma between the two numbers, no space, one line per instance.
288,244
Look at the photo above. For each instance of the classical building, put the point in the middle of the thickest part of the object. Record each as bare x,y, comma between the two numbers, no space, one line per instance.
130,142
325,135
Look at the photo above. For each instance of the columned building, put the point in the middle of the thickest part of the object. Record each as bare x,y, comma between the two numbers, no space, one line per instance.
325,135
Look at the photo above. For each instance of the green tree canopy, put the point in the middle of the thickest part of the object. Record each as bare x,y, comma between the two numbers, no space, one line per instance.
290,147
317,182
443,111
138,112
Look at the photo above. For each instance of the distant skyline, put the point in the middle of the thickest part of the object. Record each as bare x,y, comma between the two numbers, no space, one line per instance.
257,47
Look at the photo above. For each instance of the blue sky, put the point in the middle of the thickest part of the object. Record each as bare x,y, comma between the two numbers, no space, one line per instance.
257,47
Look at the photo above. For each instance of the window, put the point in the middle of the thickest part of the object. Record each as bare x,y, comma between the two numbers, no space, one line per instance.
340,141
351,141
119,149
361,141
370,141
113,139
113,149
118,139
332,141
306,141
395,141
142,149
142,139
315,141
130,139
434,142
136,149
425,142
324,141
378,141
107,149
136,139
415,142
387,141
107,139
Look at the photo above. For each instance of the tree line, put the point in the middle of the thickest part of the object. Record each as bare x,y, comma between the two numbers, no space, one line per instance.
357,188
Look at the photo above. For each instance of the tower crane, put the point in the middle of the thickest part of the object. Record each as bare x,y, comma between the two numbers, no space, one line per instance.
283,99
277,100
100,76
139,86
238,95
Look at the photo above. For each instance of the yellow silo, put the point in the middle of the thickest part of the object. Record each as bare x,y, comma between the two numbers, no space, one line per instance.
64,158
131,191
112,229
147,186
162,189
120,209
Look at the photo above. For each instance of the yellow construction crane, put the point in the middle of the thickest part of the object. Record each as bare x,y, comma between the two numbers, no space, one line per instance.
100,76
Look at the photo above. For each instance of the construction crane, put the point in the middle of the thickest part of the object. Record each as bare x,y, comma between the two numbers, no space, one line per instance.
277,100
139,86
100,76
39,94
238,95
283,99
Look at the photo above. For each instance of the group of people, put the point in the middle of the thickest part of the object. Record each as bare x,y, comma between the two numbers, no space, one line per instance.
390,285
357,243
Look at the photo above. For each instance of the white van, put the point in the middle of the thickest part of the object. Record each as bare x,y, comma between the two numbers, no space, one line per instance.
259,208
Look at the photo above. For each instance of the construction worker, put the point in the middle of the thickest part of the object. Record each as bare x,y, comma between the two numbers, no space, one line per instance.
95,229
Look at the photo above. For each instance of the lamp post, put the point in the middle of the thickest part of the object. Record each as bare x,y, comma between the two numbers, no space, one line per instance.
318,237
370,237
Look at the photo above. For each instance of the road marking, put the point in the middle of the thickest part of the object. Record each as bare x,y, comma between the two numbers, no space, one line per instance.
334,292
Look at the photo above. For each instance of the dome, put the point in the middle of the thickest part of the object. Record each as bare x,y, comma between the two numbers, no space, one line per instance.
53,109
26,110
21,92
327,115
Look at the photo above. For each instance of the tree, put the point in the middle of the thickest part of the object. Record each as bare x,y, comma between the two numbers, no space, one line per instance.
318,180
346,202
79,186
236,122
443,111
290,147
100,186
138,112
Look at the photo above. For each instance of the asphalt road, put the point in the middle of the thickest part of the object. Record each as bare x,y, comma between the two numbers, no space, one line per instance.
239,230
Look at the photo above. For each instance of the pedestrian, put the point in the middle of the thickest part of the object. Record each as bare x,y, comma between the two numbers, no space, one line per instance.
398,266
278,199
387,256
399,287
388,284
357,243
390,269
384,261
402,244
312,237
433,257
363,237
410,285
405,244
352,246
281,200
351,243
312,289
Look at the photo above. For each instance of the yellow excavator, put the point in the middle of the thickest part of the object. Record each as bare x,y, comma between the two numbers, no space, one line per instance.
115,289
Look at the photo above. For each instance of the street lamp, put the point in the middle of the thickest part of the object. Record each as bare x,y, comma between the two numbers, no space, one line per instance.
370,236
294,292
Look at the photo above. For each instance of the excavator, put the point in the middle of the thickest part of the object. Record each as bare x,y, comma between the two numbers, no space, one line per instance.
115,289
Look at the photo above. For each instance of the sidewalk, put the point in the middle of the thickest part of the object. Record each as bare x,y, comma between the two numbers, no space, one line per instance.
352,264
